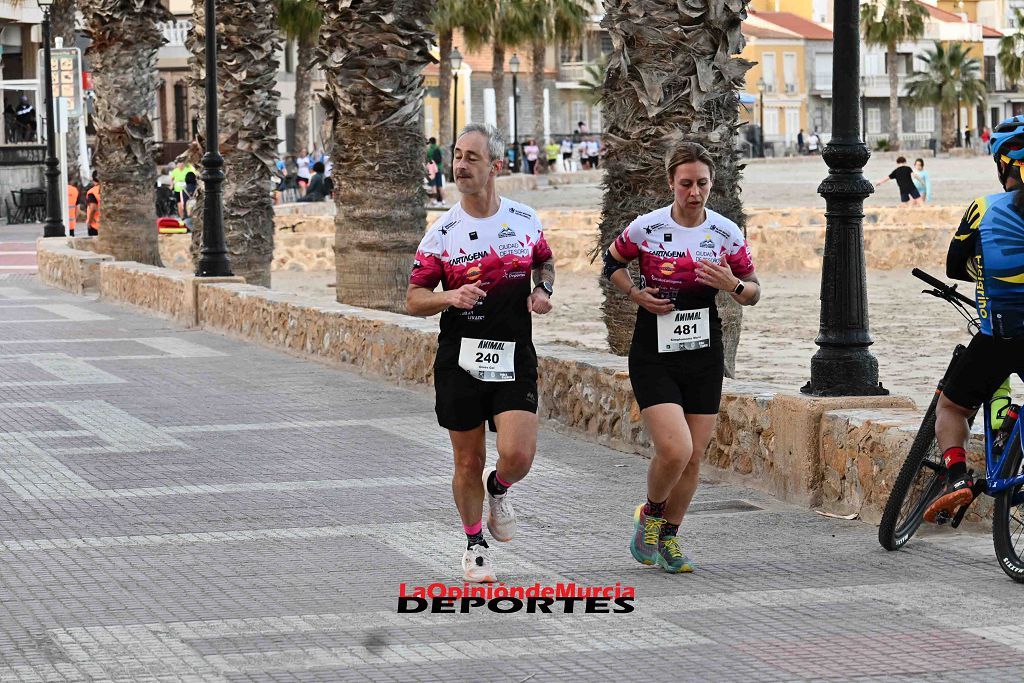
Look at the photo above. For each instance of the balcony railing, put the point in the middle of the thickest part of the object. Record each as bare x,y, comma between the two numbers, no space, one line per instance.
175,32
573,71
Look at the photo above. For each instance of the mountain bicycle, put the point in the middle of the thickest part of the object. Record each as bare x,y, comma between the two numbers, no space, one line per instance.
923,475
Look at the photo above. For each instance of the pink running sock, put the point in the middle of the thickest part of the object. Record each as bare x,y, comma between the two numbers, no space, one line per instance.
473,529
501,481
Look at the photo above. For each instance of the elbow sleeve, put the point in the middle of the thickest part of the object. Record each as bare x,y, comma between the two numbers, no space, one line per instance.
611,264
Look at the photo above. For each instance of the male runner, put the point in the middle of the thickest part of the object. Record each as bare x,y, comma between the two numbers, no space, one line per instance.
482,252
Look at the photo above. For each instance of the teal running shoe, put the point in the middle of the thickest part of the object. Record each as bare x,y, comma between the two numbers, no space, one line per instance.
646,530
671,558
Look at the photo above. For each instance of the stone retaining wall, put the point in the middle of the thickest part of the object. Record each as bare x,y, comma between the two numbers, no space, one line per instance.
840,454
780,240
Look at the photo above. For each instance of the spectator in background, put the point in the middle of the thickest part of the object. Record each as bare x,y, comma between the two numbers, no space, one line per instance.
188,198
567,166
922,181
178,177
316,189
800,142
904,177
552,149
302,164
593,152
26,118
813,143
435,170
581,128
986,134
967,136
532,154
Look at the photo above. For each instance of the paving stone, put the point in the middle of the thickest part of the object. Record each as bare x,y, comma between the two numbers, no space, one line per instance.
179,506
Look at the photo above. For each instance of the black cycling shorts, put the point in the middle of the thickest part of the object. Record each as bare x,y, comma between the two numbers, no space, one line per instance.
463,402
980,370
693,382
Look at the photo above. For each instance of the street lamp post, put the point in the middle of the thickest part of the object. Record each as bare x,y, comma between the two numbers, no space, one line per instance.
455,59
761,85
843,366
513,66
213,256
54,224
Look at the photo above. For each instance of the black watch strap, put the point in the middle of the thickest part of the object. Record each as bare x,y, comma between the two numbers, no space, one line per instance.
546,287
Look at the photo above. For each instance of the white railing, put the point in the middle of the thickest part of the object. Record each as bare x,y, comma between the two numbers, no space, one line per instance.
573,71
907,140
175,32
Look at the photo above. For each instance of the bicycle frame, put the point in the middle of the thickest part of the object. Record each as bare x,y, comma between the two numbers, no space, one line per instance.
993,466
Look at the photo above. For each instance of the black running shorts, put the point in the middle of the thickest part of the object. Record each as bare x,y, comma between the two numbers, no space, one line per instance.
987,362
464,402
693,382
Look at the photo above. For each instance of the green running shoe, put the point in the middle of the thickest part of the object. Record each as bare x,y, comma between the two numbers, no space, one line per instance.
646,530
671,558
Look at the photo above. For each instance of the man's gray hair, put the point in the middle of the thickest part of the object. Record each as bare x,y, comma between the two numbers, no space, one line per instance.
495,142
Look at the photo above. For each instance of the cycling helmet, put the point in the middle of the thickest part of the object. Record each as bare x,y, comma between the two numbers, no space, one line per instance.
1008,145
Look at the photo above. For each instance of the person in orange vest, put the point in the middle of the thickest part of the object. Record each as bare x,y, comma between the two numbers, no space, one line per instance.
72,208
92,207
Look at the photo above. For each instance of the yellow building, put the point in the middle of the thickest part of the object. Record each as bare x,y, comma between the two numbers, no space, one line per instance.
793,61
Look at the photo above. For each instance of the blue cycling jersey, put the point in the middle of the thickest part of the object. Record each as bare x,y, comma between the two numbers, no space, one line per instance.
988,248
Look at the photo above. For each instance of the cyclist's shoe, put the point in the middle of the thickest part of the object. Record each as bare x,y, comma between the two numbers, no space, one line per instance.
476,565
957,494
646,531
671,558
501,518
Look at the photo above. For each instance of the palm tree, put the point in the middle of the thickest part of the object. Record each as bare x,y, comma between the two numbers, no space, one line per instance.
950,78
62,19
1011,52
373,54
554,21
504,25
444,19
678,78
593,80
887,23
125,40
300,21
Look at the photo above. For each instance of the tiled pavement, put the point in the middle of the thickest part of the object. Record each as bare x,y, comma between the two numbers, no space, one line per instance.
176,505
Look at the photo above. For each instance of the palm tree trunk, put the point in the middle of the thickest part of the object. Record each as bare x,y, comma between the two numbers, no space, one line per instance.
62,17
125,40
538,52
671,81
948,129
373,56
303,92
444,84
248,111
498,83
894,98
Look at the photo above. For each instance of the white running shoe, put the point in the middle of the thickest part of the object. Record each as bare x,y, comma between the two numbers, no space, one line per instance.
501,518
476,565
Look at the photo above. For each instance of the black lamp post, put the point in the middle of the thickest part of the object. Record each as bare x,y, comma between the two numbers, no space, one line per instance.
513,66
761,86
455,59
843,366
213,256
54,224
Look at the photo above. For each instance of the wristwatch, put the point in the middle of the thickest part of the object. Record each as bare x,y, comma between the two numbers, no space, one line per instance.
546,287
739,288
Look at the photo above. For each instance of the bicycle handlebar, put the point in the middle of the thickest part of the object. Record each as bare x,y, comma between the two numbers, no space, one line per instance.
947,291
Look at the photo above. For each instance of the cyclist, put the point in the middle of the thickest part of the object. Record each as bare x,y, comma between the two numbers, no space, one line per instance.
482,252
986,249
687,253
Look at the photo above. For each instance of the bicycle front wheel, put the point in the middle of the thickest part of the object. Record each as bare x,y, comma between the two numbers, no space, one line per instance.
920,479
1008,520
